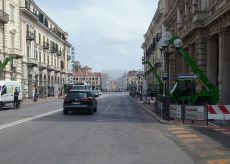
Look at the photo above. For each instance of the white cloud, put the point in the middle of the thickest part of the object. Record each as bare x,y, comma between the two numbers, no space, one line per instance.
106,34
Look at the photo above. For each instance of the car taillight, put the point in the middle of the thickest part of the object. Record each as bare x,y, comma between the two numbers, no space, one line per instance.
87,100
66,100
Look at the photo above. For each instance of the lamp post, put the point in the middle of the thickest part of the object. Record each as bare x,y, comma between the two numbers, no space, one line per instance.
164,47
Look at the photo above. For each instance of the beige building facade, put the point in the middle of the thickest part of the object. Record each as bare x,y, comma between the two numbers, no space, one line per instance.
204,27
40,48
10,40
46,52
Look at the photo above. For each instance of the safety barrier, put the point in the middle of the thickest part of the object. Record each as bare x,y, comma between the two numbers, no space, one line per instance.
219,112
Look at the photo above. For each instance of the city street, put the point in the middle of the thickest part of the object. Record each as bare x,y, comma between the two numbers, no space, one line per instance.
121,132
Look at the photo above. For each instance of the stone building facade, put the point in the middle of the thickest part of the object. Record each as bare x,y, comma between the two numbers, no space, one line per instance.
10,35
46,52
204,27
86,75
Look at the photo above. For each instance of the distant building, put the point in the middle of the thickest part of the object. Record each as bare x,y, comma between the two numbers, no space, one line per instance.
135,81
86,75
112,80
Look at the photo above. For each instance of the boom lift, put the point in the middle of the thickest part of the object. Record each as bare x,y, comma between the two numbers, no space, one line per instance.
195,89
159,88
5,62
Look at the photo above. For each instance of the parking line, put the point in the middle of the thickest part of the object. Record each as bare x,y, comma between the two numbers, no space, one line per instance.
28,119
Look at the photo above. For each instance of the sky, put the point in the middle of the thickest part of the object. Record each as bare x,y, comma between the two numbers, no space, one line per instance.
106,34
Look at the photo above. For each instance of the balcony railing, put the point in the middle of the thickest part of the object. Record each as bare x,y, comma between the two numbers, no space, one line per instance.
216,6
57,69
42,65
59,53
15,52
4,17
30,36
32,61
62,70
50,67
28,11
46,45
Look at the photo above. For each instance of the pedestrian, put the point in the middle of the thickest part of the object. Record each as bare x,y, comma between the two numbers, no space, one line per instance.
16,94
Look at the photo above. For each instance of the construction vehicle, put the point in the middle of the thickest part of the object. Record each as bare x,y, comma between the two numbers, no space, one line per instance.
157,88
195,88
5,62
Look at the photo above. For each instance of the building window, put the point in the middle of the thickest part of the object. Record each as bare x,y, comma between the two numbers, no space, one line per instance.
39,38
44,57
12,37
12,10
28,51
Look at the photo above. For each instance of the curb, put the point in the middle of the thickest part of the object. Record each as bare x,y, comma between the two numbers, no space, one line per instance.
154,115
30,101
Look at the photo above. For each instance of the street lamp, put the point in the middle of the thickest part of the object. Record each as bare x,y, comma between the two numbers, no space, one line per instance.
164,47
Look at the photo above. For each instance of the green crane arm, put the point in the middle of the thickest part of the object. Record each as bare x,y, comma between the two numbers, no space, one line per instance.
212,89
6,60
153,69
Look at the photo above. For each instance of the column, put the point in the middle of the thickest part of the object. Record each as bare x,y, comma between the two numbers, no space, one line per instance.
224,67
212,59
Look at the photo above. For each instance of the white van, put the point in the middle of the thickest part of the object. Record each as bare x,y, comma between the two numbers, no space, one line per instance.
7,89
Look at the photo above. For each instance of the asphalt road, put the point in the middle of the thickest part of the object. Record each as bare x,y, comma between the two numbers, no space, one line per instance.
121,132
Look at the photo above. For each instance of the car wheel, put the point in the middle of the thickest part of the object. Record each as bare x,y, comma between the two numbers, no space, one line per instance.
91,111
95,109
65,112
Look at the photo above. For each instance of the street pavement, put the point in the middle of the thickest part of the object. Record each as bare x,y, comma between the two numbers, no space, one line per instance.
123,130
27,101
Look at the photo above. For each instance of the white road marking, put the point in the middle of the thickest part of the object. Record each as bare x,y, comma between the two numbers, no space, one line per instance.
28,119
106,110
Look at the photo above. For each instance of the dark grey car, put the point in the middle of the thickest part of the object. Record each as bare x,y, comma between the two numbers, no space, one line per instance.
79,100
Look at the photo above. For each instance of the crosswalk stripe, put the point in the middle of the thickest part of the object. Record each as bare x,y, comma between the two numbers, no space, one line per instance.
187,136
181,132
189,140
221,161
172,129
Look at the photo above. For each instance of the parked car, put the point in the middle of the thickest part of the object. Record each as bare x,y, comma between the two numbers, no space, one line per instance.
79,100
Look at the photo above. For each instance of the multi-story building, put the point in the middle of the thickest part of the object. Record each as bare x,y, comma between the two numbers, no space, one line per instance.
86,75
152,53
10,39
135,81
46,52
203,26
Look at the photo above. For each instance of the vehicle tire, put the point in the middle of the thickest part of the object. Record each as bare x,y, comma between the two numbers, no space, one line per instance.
91,111
65,112
95,109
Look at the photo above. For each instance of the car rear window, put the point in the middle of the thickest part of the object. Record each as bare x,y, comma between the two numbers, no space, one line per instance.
74,95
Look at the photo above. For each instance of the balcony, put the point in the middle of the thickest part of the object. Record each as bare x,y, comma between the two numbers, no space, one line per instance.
4,17
32,62
157,62
42,65
30,36
68,57
46,46
62,70
15,52
57,69
28,11
50,67
59,53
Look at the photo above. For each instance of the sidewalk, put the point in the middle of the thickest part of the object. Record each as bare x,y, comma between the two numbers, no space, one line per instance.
150,109
28,101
